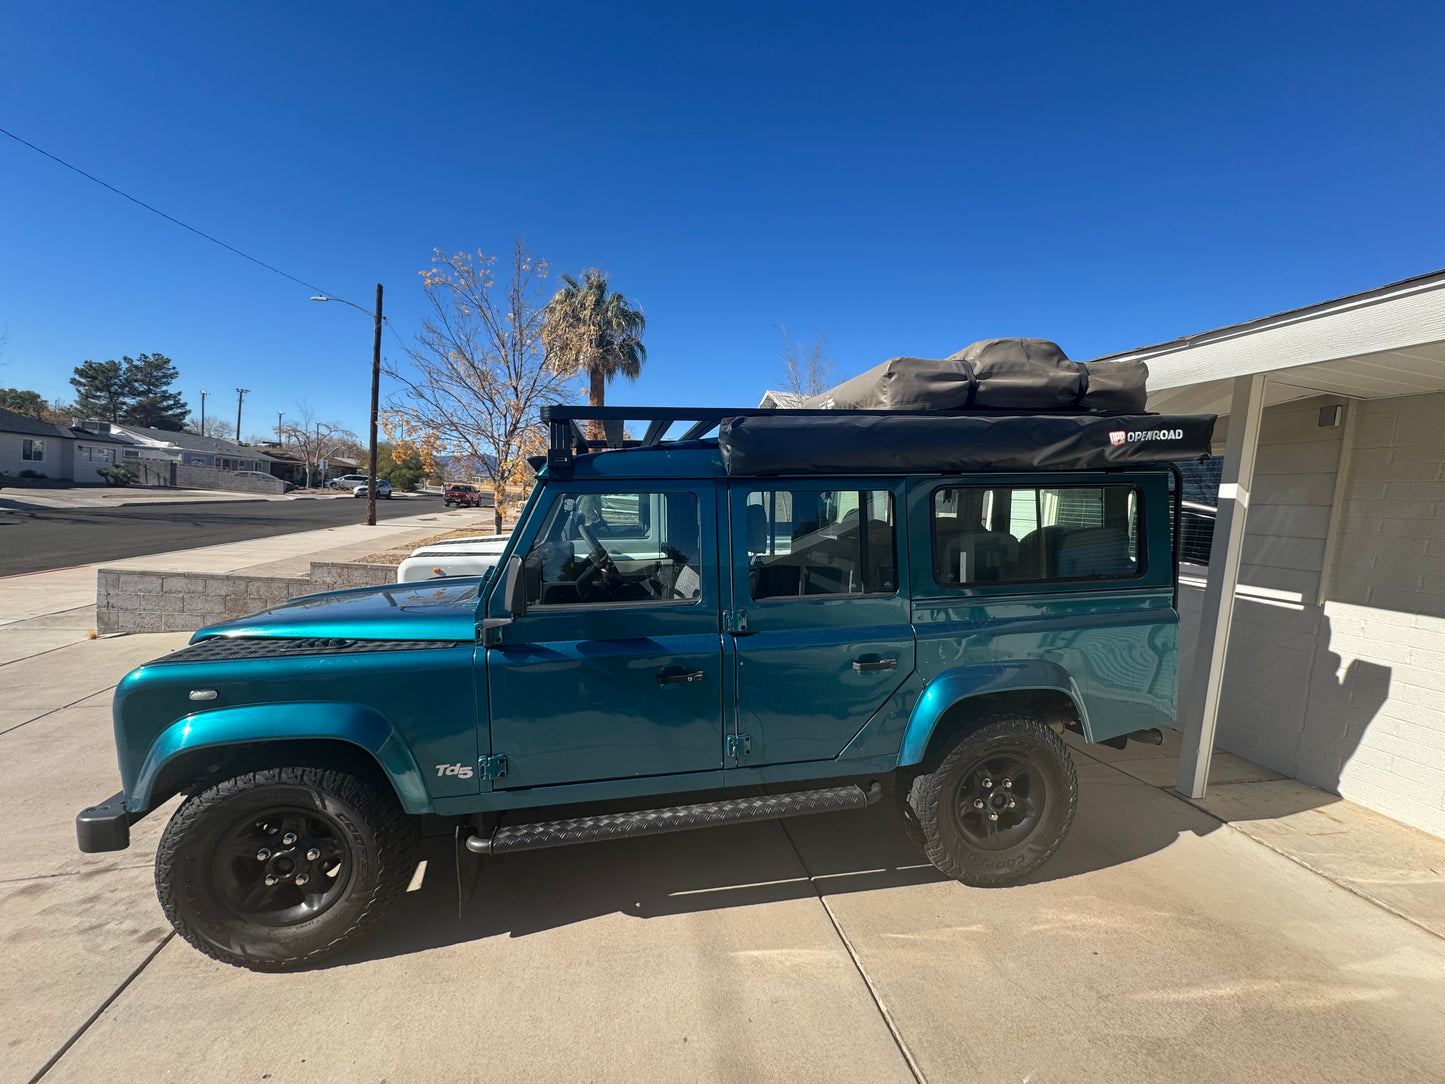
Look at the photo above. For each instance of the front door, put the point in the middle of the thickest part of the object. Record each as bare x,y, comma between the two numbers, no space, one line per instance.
817,572
615,670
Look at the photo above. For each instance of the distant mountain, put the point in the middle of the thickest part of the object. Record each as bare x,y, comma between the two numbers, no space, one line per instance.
463,468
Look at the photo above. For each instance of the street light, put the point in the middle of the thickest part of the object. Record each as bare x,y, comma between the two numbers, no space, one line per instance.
375,392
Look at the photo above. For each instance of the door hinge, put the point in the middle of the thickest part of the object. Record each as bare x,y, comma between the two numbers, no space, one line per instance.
740,746
494,767
735,622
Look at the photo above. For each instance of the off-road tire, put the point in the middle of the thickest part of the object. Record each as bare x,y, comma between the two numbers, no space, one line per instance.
379,841
937,800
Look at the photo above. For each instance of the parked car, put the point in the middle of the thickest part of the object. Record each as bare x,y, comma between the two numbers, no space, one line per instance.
347,481
832,607
462,495
383,488
452,558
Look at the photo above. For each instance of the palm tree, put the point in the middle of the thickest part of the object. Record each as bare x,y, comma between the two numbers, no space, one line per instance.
589,330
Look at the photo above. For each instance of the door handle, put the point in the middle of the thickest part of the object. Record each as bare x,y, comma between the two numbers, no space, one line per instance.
865,665
679,677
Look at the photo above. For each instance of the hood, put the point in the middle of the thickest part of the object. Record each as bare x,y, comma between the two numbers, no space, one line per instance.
435,610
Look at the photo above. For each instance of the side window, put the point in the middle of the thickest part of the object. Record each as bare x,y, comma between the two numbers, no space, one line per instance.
807,542
1027,535
626,546
32,451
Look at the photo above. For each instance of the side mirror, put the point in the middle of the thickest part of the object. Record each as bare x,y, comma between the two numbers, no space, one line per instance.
514,595
515,591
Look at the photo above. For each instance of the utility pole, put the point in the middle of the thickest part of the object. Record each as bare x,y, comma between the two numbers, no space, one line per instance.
203,411
240,398
279,415
375,391
375,395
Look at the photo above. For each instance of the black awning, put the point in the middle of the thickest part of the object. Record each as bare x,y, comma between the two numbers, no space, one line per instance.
848,443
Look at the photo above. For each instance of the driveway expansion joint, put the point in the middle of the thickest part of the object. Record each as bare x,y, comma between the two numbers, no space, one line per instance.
887,1017
107,1003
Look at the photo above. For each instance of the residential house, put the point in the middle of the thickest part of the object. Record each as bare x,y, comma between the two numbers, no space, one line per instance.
58,452
1321,620
185,449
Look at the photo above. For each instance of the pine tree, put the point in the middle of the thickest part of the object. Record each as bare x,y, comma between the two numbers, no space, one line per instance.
102,390
23,401
152,402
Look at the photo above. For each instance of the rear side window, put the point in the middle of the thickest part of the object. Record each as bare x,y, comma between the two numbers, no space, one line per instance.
820,542
1018,534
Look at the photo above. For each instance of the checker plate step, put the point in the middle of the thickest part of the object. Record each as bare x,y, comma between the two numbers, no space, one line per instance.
653,822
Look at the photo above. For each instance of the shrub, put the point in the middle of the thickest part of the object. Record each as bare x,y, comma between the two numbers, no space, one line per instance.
32,474
117,476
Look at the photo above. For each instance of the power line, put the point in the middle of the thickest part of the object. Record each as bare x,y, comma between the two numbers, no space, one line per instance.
155,210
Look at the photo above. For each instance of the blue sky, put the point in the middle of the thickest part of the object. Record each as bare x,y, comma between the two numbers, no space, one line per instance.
908,179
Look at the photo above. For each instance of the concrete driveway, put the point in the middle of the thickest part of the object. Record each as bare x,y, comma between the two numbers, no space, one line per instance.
1160,944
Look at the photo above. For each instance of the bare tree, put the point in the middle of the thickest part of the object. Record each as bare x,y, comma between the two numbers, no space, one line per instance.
807,367
215,427
315,441
477,377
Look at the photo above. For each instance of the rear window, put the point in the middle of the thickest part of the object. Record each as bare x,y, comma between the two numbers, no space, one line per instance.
1017,534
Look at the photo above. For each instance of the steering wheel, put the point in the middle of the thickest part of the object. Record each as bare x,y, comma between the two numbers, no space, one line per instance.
600,556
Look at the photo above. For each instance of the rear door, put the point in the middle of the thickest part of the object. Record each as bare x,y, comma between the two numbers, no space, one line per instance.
816,571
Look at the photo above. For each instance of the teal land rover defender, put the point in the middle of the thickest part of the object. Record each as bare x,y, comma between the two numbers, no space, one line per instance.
803,613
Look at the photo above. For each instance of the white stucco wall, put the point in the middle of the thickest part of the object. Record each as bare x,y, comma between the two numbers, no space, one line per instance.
55,465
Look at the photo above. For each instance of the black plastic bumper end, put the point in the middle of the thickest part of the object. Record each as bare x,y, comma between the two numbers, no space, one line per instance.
104,827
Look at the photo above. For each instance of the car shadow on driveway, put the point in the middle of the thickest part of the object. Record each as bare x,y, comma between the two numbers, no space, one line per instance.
1121,819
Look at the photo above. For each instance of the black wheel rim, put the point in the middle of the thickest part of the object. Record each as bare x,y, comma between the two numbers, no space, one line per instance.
281,867
1000,800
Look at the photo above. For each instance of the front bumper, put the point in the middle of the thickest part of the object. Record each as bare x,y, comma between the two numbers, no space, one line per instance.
104,827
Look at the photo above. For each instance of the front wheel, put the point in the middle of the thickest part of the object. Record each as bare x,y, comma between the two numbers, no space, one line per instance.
996,803
283,867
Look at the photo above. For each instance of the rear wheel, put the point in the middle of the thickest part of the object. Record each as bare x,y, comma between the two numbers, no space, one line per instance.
283,867
996,802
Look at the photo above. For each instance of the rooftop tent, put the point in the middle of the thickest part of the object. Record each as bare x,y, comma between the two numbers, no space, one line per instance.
789,442
1000,404
993,374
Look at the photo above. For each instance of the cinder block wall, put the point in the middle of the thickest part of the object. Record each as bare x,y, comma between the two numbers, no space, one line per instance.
1386,610
1348,696
1276,614
134,600
194,477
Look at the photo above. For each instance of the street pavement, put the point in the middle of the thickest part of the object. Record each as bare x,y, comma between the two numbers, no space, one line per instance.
49,538
1286,936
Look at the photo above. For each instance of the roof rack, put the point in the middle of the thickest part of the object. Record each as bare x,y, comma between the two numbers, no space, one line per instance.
566,439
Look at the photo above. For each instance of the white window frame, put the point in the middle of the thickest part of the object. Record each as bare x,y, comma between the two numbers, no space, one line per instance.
29,447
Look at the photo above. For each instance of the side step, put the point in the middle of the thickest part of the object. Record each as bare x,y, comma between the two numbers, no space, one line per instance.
656,822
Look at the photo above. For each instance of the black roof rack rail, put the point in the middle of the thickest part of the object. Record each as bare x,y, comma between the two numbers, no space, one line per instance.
567,439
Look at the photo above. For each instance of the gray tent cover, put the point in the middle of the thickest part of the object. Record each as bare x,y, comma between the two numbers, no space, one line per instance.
993,374
1001,404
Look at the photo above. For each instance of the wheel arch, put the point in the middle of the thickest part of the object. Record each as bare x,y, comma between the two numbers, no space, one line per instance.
954,698
275,734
